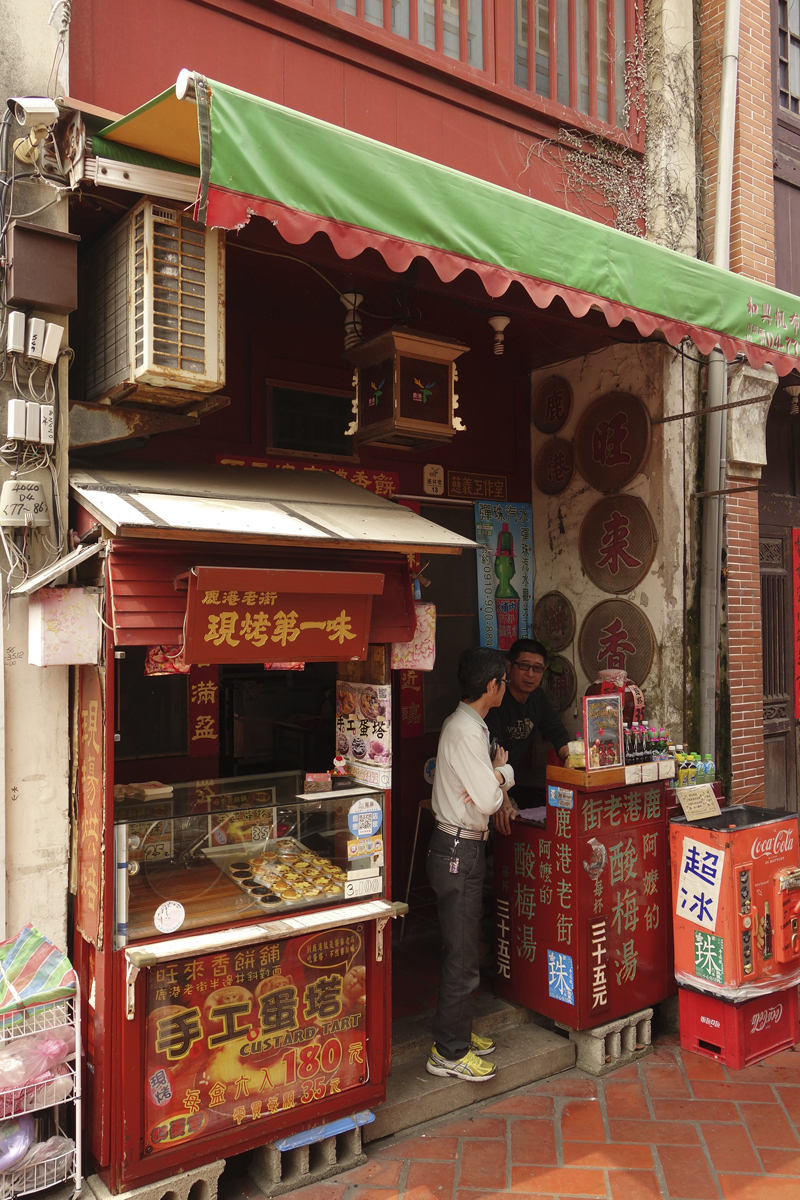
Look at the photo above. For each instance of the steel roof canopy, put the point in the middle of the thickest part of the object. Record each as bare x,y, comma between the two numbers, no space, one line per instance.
251,504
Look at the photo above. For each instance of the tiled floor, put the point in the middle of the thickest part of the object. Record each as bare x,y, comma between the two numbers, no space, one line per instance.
674,1127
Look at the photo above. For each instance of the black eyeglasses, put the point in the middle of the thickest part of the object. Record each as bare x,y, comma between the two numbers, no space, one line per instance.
529,669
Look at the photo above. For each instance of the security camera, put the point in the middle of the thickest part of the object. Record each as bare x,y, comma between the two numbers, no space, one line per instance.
33,110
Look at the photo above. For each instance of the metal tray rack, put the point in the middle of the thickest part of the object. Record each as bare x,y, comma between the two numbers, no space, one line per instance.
63,1013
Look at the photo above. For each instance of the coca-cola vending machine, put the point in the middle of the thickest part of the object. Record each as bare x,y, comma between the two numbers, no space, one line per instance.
736,909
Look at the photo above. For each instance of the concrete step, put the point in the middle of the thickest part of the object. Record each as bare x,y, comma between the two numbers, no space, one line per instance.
412,1039
525,1053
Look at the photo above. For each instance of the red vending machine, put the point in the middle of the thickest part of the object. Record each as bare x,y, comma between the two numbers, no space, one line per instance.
581,905
736,888
736,908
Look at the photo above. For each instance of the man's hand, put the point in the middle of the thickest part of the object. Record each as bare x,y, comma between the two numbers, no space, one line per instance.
501,758
504,816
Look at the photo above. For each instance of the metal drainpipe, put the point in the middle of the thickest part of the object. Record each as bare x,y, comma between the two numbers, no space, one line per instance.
717,423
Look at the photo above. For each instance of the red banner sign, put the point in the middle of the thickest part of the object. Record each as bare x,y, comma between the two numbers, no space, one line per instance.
89,899
796,615
237,1037
411,704
381,483
250,615
203,711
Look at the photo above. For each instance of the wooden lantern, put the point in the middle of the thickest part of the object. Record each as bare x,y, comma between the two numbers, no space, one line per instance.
404,390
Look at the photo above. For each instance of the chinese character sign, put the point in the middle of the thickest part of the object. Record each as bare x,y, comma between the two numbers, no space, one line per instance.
91,776
249,1033
251,615
380,483
796,615
411,704
699,880
364,722
505,573
203,711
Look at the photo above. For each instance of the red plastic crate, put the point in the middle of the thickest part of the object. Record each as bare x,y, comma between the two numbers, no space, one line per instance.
738,1034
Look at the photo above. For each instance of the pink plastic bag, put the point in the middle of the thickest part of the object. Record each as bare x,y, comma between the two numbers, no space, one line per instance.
27,1058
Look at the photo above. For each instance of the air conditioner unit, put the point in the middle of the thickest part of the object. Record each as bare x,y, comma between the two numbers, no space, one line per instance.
153,303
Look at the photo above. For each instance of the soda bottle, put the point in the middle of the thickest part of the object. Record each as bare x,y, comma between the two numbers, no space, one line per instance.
710,771
506,598
767,931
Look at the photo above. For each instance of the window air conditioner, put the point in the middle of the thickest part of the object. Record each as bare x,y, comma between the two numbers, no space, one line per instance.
153,303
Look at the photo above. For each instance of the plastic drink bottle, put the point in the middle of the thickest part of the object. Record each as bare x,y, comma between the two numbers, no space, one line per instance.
506,598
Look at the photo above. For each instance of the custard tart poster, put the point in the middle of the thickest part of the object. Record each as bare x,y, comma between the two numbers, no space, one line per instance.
364,722
243,1035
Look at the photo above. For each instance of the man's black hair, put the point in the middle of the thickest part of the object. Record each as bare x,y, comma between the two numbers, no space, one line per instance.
476,668
526,646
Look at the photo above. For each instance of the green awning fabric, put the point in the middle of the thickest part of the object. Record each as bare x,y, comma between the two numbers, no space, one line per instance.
140,158
306,176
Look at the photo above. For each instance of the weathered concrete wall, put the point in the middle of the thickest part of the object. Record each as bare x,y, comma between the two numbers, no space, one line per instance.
656,374
35,735
670,148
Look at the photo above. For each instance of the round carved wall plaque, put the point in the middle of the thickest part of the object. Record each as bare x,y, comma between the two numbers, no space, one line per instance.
554,467
554,621
616,634
562,686
551,404
617,543
612,441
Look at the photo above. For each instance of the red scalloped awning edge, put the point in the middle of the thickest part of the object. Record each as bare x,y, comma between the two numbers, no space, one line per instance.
233,210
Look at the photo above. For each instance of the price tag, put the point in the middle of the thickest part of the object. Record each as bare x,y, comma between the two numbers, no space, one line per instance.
698,801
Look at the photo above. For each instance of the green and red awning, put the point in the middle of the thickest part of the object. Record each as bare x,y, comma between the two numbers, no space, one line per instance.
257,158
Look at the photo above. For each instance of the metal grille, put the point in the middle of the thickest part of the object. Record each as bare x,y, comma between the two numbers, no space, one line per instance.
105,313
773,629
179,292
617,543
562,686
616,635
139,257
612,441
554,468
554,621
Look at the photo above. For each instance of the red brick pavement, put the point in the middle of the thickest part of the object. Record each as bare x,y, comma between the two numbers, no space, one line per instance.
673,1127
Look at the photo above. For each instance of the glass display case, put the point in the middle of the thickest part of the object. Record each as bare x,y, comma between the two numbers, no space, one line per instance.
216,852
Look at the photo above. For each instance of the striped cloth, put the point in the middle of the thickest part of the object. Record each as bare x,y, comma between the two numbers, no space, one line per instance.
33,971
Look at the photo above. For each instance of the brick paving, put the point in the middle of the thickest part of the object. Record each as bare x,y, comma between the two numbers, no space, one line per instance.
675,1126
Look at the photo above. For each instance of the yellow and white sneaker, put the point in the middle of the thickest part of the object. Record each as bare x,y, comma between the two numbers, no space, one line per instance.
470,1067
481,1045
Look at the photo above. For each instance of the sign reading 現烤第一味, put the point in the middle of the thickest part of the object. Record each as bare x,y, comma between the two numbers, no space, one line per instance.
253,615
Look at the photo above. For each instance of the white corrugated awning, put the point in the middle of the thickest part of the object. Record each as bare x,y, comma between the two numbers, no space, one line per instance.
245,504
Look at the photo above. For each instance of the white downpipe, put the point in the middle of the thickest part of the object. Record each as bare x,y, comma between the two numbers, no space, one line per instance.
717,423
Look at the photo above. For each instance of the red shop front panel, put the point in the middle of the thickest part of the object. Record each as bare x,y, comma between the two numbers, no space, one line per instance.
581,909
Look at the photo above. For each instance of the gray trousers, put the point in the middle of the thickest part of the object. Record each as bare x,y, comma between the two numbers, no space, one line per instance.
459,901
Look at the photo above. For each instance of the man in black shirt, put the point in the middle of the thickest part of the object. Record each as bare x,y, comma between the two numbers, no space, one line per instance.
525,708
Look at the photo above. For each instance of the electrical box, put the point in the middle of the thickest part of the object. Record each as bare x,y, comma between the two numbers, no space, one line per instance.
42,268
64,627
153,304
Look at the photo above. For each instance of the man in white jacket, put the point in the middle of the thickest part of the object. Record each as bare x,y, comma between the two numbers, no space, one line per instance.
468,788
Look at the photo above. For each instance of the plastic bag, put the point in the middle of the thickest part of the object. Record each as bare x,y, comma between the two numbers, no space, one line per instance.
15,1138
41,1152
27,1058
53,1087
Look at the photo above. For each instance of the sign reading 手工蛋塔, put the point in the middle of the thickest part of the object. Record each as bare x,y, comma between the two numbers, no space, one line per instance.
252,615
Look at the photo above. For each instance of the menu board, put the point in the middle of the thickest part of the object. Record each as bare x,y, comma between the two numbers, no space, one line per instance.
364,723
240,1036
